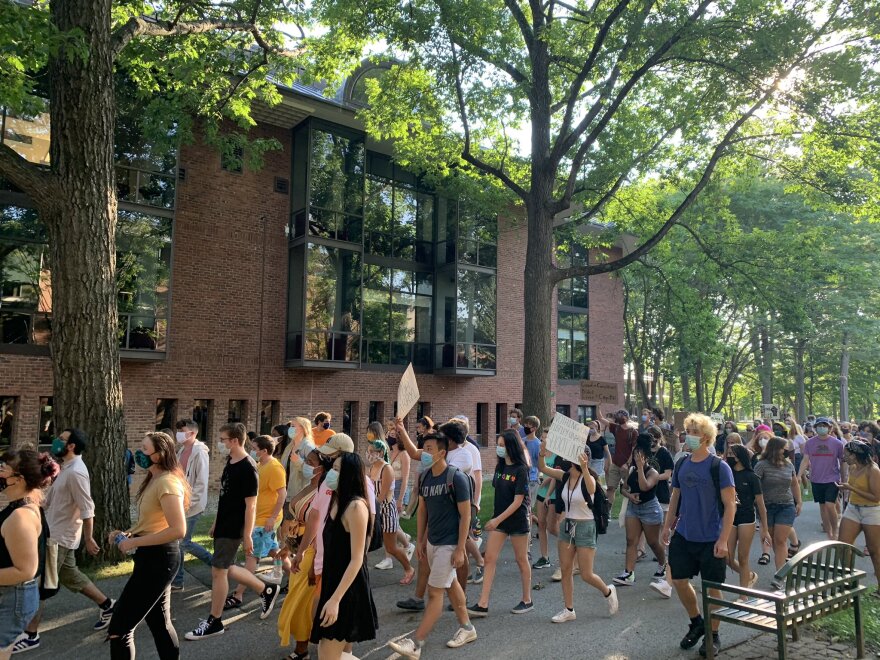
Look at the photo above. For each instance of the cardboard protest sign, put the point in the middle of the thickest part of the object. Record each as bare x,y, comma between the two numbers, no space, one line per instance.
596,391
407,392
566,437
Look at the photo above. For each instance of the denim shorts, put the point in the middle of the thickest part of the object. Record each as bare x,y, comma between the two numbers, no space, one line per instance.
598,465
780,514
648,512
18,605
264,542
862,514
579,533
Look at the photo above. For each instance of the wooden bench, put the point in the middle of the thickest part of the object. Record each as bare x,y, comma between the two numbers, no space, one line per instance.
819,580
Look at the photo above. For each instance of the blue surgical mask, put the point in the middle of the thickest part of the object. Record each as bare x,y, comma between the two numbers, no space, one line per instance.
291,433
644,418
427,459
692,441
822,430
254,455
332,479
512,420
501,452
308,471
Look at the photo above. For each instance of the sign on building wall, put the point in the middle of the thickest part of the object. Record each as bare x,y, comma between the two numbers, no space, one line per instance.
407,392
566,437
598,391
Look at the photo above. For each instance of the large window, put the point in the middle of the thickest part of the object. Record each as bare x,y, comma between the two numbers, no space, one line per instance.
572,342
7,420
47,422
336,191
333,304
475,322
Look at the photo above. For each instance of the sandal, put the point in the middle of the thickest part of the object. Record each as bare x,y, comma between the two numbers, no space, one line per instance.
794,549
231,603
407,579
764,560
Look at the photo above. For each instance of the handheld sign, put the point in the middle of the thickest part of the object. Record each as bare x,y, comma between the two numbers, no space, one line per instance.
566,437
596,391
407,392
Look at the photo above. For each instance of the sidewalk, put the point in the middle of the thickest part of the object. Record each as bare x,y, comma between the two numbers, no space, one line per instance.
807,648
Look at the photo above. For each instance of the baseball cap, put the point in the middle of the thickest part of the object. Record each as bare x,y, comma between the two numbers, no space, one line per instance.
623,413
337,442
763,427
823,420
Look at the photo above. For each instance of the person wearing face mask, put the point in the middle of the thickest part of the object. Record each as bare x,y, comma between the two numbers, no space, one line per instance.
299,445
514,418
749,497
624,441
400,464
380,472
192,455
863,512
646,419
702,507
233,527
376,432
321,431
271,495
295,618
532,426
823,457
70,514
721,438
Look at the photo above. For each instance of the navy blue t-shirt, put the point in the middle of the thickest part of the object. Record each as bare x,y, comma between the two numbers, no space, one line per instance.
443,515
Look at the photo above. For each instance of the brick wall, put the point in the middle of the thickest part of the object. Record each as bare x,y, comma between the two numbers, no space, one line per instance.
213,348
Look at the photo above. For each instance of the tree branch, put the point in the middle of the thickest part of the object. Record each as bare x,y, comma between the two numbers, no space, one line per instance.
36,181
524,27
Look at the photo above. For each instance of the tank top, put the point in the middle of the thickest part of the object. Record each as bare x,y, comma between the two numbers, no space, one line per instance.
5,558
396,467
576,507
862,482
632,481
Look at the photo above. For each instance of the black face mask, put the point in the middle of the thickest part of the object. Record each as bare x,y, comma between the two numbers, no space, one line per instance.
326,425
527,430
731,461
4,484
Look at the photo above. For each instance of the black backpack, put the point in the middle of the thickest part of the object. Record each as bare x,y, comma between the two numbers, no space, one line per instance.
598,504
715,471
450,488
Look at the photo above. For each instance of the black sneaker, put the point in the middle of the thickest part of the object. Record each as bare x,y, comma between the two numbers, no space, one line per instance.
694,633
660,572
542,562
412,604
207,628
267,599
716,644
104,617
522,608
478,612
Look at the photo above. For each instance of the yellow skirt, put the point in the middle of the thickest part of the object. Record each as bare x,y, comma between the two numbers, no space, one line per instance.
295,619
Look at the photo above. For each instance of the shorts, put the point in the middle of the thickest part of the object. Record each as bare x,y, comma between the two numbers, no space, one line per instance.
648,512
440,561
744,517
798,459
690,558
69,574
598,465
616,475
389,518
533,492
824,493
781,514
224,552
863,514
406,494
579,533
264,542
18,605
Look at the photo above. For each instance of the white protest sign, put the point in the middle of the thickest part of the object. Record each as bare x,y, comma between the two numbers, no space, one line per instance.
566,437
407,392
718,418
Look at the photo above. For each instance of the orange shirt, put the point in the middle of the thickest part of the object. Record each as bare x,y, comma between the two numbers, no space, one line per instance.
321,436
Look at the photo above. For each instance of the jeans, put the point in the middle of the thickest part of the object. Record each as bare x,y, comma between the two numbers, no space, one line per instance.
188,545
147,595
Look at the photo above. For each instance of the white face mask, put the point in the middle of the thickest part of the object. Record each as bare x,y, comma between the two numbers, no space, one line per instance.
763,442
180,436
223,448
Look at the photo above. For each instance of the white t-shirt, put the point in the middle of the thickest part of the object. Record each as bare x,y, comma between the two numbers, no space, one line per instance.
476,458
799,442
462,459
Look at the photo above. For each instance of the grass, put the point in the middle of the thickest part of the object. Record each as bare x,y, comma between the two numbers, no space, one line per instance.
841,625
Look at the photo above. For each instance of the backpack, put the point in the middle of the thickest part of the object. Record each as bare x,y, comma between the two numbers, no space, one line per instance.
715,471
598,503
450,488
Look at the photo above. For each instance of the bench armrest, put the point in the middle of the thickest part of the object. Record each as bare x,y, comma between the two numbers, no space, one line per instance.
744,591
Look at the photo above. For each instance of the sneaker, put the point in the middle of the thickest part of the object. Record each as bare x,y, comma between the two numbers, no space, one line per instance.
176,587
753,579
693,635
477,576
410,551
26,643
626,579
662,587
477,612
104,617
385,565
557,575
522,608
542,562
267,599
613,603
564,616
207,628
660,573
412,604
461,637
716,644
407,648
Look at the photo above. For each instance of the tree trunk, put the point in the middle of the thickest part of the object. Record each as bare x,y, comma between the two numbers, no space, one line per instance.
685,391
844,378
698,385
81,224
766,365
810,388
671,406
800,376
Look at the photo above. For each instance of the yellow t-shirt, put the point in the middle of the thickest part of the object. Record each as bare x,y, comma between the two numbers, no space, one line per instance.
272,477
321,436
151,518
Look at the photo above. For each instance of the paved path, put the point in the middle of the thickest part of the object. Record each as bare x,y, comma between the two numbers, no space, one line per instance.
647,626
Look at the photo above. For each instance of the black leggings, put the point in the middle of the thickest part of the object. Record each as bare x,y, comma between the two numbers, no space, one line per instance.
147,595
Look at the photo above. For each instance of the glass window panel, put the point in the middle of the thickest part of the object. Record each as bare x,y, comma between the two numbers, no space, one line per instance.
7,420
333,301
166,414
425,222
476,307
237,411
403,317
47,424
337,170
378,205
377,351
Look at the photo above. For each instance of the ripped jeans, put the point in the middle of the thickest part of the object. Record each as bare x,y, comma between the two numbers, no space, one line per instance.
147,595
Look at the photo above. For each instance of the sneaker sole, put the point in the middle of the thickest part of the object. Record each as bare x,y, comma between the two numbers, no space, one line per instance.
406,654
685,645
623,583
198,638
25,649
515,611
458,646
477,614
562,620
411,609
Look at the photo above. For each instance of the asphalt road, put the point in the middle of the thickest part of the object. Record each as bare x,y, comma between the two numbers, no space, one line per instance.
647,626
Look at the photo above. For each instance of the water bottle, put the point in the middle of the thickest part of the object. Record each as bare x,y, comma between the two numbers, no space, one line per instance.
119,539
276,574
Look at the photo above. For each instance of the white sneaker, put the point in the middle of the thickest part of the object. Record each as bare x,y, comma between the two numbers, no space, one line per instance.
461,637
385,565
407,648
410,551
662,587
563,616
613,604
557,575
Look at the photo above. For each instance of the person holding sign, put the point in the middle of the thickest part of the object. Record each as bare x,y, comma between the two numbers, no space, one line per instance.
511,518
577,538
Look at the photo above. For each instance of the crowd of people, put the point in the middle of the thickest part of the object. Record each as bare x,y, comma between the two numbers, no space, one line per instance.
304,498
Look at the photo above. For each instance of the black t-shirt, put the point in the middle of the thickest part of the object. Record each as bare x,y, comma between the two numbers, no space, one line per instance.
510,481
238,481
662,461
748,486
597,448
632,482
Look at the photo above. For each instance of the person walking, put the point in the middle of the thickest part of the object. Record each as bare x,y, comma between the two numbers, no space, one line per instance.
192,456
862,515
70,514
624,441
749,497
23,536
162,499
823,457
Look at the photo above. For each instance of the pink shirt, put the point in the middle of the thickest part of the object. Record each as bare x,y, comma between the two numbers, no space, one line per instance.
321,504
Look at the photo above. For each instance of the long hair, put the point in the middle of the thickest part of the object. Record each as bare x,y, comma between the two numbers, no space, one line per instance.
377,430
514,450
742,456
164,445
774,452
352,485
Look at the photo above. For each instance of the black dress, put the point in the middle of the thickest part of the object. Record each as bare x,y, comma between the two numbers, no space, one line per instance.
357,621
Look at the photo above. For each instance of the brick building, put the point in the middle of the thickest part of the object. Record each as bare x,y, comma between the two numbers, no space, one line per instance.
306,285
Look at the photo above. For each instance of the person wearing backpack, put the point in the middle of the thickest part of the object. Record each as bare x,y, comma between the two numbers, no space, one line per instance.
585,511
701,511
